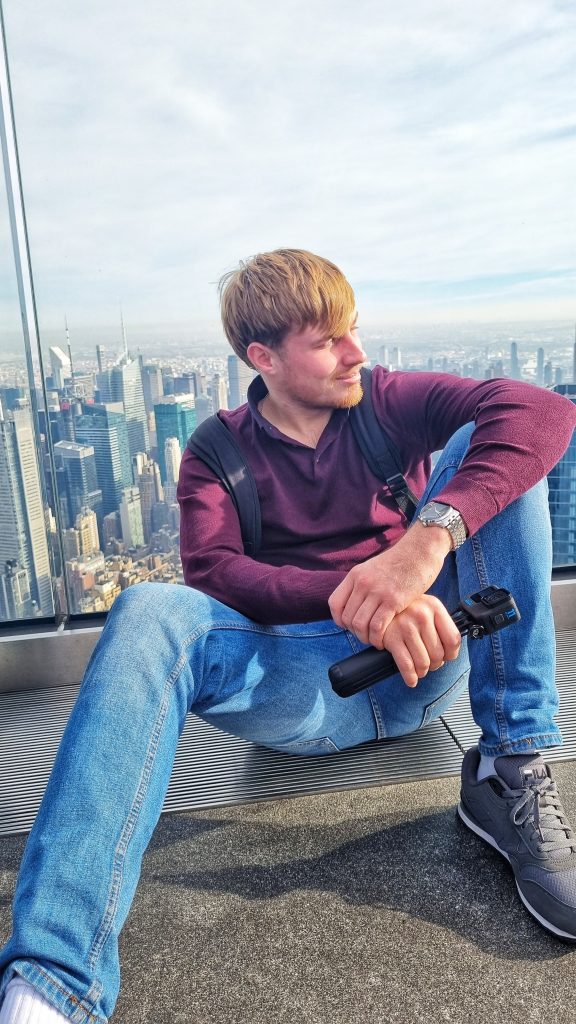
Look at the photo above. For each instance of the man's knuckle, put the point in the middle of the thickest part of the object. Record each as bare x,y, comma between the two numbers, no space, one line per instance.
420,613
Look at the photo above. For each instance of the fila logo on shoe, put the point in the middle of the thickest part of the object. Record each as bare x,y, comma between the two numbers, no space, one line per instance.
531,775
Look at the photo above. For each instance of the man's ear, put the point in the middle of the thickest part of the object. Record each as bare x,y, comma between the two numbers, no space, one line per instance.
261,356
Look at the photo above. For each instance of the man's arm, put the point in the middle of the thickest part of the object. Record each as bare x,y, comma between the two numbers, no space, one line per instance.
521,433
213,558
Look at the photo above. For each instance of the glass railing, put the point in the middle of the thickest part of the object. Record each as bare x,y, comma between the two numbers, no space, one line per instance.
28,537
123,210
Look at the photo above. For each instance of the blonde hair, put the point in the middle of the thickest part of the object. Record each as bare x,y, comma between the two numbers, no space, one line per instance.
274,293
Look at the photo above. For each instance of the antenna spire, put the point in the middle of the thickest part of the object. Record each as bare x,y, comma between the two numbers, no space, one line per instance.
69,347
124,335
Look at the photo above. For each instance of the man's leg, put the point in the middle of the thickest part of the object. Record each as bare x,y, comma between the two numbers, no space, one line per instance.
165,650
509,797
512,685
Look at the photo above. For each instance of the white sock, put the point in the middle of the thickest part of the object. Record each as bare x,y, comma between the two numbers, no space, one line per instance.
24,1005
485,769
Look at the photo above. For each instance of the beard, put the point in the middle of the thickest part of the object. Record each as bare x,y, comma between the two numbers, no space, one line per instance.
351,397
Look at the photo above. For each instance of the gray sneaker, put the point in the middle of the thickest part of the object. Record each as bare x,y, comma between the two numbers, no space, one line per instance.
520,814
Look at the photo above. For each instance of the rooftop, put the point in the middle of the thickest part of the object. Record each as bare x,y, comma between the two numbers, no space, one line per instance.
338,889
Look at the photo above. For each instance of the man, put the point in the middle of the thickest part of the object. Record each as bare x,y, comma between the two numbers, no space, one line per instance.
248,643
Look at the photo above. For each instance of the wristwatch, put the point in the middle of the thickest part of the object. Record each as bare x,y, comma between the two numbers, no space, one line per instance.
435,513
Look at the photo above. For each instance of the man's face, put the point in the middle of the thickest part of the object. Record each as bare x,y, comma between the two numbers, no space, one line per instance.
313,369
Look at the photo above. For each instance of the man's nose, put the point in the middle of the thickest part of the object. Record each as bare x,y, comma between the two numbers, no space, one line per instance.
353,350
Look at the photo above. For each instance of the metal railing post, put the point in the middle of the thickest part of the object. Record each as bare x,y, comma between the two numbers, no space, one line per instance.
24,278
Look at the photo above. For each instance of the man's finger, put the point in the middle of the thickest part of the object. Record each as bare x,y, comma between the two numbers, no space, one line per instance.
449,636
365,622
404,662
338,598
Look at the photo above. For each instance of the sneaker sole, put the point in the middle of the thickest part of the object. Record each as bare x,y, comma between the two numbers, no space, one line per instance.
471,824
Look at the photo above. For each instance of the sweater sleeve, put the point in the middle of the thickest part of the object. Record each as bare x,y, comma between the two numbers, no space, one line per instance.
521,432
214,562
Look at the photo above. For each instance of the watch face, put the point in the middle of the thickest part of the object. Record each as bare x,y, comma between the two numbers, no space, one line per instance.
435,510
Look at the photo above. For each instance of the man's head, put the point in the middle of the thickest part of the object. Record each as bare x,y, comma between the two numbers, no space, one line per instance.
279,292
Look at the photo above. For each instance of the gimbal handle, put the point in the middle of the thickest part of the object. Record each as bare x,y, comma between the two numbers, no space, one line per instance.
477,616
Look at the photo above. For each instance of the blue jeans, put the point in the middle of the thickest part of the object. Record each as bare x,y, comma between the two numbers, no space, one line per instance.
167,650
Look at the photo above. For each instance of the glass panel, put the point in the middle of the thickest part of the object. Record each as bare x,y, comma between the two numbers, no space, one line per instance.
28,538
159,150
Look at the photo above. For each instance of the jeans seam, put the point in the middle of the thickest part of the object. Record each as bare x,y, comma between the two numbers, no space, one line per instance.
544,739
115,889
496,648
429,709
131,820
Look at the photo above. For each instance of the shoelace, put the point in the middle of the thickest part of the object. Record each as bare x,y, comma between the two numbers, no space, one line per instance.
540,805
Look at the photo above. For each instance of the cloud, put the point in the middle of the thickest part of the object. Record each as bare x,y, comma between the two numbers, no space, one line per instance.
411,143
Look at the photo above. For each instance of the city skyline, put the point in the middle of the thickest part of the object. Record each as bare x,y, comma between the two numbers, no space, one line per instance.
106,515
428,150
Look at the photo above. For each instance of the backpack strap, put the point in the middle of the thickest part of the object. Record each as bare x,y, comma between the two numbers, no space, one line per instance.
214,444
378,450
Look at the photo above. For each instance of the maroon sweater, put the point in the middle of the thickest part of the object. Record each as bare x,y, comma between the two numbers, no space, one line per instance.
323,511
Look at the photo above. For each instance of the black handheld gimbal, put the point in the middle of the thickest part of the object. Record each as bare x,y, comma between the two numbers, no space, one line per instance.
477,616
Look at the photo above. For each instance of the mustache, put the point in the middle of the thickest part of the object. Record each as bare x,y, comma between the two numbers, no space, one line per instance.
349,373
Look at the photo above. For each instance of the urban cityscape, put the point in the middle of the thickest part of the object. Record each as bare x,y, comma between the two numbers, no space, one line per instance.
92,508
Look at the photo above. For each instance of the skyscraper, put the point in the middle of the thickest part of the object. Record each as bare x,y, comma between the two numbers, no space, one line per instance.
540,367
514,364
204,408
172,458
77,480
562,496
60,364
104,428
396,363
150,488
185,383
71,544
218,392
123,383
131,518
22,524
175,417
87,528
152,385
15,598
548,373
239,378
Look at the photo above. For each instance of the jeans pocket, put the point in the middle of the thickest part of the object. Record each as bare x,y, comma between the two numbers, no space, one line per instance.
309,748
445,700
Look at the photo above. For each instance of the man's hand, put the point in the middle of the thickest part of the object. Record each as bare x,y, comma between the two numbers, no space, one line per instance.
375,592
422,638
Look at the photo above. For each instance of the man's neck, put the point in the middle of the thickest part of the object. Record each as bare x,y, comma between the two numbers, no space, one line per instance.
301,424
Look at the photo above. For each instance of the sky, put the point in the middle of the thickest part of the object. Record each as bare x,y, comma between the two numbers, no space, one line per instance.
428,148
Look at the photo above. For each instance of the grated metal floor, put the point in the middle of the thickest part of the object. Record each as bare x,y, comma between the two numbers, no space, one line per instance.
213,769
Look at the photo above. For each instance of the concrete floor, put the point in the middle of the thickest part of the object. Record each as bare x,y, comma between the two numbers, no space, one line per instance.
370,905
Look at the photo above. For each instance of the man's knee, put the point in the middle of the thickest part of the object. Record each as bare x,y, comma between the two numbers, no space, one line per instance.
146,606
459,443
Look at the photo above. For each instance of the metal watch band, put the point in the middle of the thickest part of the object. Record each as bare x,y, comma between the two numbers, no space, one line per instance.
451,521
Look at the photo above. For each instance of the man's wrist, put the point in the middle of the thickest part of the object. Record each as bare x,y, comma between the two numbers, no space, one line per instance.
431,539
438,513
